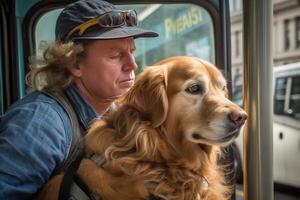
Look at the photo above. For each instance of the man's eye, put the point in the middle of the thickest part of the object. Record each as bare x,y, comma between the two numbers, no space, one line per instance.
132,50
114,56
194,89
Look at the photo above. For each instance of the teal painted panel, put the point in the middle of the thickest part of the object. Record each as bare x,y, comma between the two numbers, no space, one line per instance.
21,66
216,3
22,6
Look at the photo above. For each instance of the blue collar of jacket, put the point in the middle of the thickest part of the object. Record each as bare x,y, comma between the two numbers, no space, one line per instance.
85,112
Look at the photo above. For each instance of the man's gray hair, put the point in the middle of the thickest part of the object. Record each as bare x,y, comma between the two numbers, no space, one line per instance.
52,70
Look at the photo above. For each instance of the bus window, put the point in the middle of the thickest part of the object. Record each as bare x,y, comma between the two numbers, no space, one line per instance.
287,96
280,90
45,29
295,98
184,29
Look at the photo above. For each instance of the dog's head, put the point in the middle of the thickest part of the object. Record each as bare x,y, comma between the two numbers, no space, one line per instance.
189,97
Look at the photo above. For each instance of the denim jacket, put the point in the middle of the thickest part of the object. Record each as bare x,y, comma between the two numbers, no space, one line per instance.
35,138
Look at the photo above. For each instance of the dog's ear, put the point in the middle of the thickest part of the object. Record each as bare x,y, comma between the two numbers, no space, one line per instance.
149,96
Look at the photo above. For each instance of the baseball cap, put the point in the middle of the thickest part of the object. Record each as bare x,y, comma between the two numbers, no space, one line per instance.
81,11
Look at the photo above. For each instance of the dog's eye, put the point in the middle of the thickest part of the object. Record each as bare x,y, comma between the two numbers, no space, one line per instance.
194,89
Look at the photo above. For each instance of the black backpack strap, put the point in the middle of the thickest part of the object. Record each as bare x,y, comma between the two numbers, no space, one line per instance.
76,152
68,179
76,147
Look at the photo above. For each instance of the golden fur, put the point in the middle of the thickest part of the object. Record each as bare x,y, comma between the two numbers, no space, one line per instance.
164,138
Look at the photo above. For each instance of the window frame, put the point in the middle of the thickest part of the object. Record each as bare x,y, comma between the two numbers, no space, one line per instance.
297,32
291,94
2,62
287,40
276,103
10,70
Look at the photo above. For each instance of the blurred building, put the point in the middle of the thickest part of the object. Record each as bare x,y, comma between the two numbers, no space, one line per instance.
286,35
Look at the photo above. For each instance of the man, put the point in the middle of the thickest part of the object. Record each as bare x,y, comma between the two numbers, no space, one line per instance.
92,63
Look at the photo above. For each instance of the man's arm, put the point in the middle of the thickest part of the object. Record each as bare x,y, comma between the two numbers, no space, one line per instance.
33,142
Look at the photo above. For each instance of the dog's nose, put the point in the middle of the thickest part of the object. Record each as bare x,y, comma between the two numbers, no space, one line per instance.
238,117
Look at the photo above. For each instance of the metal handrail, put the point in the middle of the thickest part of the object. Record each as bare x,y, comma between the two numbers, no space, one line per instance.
258,139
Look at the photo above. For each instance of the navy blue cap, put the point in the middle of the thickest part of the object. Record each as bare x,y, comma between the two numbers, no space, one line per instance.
81,11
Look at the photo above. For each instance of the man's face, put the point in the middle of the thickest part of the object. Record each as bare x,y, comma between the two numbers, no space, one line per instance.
108,69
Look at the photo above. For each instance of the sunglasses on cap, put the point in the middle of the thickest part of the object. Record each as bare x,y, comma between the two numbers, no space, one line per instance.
110,19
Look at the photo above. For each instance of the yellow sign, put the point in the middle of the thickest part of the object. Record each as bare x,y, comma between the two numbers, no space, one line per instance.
182,22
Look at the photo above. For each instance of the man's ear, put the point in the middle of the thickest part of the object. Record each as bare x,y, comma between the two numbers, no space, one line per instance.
76,70
149,96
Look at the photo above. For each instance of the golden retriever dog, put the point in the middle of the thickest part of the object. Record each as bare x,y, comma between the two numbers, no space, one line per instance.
165,137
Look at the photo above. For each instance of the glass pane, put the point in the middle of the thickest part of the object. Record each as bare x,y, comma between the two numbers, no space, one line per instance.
237,95
280,90
295,97
184,29
45,29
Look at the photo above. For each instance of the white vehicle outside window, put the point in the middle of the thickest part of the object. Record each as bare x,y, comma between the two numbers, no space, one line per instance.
286,125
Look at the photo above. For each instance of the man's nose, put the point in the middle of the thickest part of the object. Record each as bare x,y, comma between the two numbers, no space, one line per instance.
130,64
